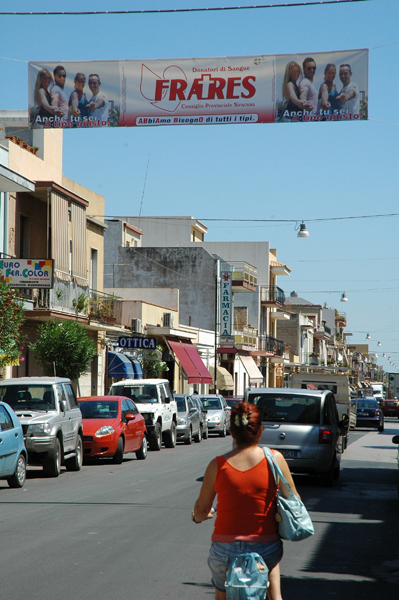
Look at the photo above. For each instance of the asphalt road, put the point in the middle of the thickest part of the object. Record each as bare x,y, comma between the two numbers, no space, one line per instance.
123,532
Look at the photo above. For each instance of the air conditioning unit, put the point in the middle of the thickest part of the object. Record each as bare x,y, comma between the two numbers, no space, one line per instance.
168,320
136,325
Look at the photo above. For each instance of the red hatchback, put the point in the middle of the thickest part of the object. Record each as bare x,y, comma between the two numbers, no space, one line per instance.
390,408
112,427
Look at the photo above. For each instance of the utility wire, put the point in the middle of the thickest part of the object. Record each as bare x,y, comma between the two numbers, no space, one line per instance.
174,10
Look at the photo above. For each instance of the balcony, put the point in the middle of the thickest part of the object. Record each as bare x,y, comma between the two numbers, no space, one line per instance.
246,336
268,343
340,319
322,332
272,295
69,299
244,277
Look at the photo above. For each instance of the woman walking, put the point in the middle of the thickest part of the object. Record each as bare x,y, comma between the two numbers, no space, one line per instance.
246,504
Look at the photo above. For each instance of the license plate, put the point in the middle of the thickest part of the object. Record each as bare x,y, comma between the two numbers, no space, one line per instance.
290,453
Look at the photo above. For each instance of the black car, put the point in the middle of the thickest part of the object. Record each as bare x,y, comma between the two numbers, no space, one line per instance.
369,414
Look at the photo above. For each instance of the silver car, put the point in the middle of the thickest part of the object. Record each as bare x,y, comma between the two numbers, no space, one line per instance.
303,425
218,414
188,420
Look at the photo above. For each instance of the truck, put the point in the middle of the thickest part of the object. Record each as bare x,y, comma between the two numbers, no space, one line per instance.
393,385
336,383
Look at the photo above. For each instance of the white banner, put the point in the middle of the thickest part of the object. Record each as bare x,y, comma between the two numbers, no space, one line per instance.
320,86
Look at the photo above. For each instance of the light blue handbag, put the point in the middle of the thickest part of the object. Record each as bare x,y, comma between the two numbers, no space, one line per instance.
294,522
248,578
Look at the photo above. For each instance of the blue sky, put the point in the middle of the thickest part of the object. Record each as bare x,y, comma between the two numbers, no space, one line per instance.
283,171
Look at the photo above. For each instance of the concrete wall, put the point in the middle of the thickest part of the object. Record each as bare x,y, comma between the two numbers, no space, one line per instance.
164,231
192,270
167,298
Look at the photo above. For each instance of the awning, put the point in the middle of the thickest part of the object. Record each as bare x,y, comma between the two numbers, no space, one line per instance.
224,378
137,368
119,366
11,181
255,376
190,361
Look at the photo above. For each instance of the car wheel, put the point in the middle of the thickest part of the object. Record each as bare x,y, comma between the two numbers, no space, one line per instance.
18,479
169,437
327,479
205,433
223,432
381,427
117,458
337,471
142,453
189,437
198,436
75,463
155,438
52,461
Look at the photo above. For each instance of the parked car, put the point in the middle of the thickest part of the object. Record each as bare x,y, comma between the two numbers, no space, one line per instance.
304,426
13,454
232,402
51,421
155,401
390,408
204,422
188,419
369,414
395,440
112,427
218,414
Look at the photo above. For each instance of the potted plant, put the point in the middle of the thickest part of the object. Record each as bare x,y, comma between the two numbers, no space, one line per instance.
80,303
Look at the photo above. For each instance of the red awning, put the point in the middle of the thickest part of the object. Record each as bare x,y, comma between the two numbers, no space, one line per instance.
191,361
197,361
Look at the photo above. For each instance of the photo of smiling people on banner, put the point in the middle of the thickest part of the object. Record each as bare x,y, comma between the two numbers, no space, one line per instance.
61,98
310,90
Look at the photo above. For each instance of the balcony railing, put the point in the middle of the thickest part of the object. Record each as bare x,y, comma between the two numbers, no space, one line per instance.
272,294
70,298
271,344
246,335
243,271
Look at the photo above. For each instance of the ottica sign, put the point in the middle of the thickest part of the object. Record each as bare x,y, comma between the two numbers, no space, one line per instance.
138,342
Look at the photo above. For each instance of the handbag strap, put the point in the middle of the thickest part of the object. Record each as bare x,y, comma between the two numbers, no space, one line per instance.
275,467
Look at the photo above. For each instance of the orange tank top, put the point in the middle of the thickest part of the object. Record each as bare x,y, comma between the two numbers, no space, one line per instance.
246,503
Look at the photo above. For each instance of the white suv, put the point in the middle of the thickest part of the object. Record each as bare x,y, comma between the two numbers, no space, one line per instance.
155,401
51,421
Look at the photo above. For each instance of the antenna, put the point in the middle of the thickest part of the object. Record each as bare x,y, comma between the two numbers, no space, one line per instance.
145,181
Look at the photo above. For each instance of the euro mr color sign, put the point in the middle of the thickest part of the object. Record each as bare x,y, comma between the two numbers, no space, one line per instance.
319,86
27,272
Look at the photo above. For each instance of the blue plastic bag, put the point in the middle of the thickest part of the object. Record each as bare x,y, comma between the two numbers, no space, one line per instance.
248,577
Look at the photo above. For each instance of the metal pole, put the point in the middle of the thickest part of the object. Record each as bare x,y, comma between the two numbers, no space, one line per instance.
216,324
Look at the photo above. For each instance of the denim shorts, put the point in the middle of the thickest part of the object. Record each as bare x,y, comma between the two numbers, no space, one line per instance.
222,555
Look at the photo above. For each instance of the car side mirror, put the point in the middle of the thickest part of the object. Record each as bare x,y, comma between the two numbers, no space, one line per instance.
395,439
130,417
63,406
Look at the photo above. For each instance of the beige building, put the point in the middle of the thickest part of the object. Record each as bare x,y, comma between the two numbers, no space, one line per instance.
57,219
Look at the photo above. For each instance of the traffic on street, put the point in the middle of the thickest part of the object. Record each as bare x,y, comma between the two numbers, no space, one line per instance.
125,530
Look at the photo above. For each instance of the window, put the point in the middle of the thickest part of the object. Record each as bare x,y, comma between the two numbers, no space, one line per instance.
5,420
288,407
24,243
70,257
132,407
93,268
71,396
163,394
61,393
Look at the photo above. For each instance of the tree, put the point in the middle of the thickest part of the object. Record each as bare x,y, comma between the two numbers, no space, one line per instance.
11,321
63,347
153,366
